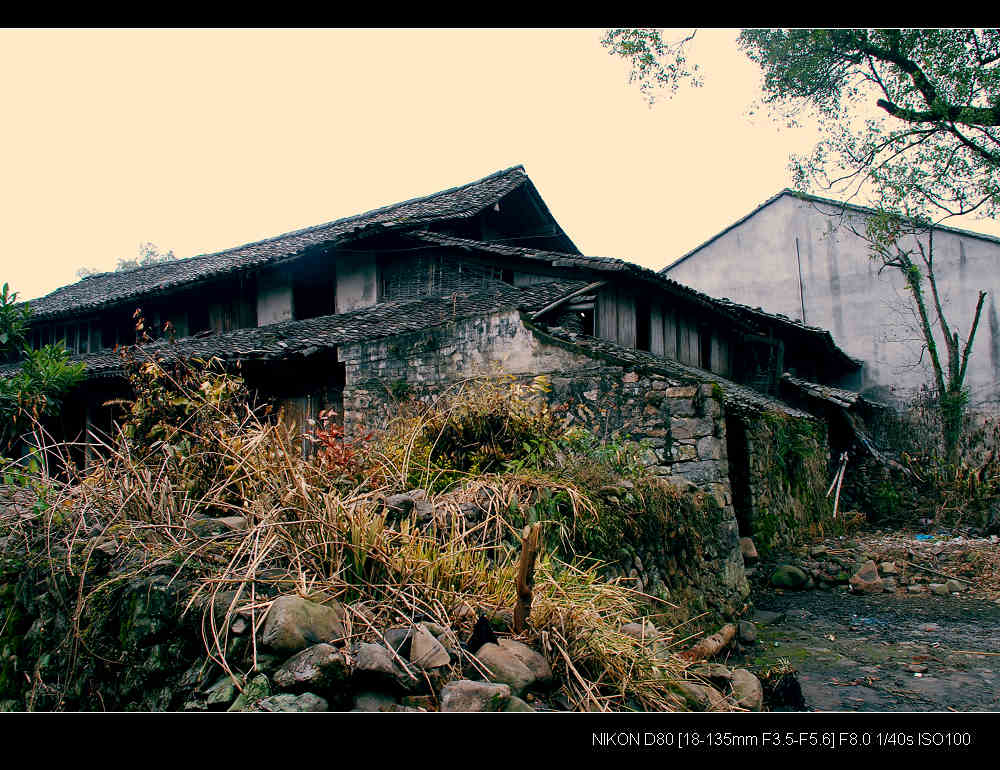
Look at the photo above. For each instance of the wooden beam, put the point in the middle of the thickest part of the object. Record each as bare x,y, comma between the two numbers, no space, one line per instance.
553,305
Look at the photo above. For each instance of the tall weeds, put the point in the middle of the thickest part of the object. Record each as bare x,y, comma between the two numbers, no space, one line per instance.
198,480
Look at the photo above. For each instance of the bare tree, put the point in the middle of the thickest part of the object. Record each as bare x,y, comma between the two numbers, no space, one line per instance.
907,246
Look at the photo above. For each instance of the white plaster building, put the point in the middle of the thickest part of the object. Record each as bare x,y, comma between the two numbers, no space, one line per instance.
795,255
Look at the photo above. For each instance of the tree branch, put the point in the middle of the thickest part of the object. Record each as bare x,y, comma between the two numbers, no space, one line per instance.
972,336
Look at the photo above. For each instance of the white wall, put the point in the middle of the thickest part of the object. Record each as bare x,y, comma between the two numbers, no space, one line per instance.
869,314
274,299
357,282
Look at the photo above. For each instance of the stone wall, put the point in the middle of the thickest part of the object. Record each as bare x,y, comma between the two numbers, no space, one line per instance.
679,426
788,478
139,654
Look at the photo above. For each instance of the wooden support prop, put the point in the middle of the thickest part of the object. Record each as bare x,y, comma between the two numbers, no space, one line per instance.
530,540
711,645
935,572
838,479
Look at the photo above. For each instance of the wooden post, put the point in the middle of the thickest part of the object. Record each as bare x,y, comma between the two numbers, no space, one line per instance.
525,579
843,469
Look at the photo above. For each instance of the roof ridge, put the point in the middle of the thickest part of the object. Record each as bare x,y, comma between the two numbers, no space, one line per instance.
313,228
455,202
819,199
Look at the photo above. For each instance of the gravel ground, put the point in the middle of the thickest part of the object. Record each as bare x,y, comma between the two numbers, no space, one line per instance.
893,651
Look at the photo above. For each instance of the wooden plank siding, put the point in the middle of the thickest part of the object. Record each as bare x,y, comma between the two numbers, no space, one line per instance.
687,335
294,414
234,313
720,355
670,333
656,343
626,320
615,319
607,314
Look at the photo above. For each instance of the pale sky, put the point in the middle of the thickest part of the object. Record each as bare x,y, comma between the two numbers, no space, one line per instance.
199,140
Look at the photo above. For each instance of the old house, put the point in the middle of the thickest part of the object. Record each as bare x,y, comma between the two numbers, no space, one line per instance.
796,255
473,280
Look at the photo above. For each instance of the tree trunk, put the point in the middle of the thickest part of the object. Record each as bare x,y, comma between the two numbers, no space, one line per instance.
952,410
525,579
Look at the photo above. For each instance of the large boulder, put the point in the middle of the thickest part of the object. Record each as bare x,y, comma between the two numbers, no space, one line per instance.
866,579
222,693
505,666
644,632
789,576
515,704
702,697
374,665
466,695
717,674
294,623
255,690
374,701
426,651
534,661
305,702
747,690
319,667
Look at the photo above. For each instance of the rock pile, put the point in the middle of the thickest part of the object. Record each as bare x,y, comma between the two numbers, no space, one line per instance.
306,664
898,563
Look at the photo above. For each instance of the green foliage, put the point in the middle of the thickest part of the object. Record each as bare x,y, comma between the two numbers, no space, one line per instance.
38,388
182,409
149,254
911,112
14,321
400,389
966,492
793,465
794,444
885,500
655,63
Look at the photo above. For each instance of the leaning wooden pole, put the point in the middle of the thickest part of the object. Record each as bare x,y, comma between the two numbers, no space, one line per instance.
843,470
525,580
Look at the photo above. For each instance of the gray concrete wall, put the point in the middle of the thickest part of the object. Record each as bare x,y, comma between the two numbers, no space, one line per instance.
274,299
758,263
357,282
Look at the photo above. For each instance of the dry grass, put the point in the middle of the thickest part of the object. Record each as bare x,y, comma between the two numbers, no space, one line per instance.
306,531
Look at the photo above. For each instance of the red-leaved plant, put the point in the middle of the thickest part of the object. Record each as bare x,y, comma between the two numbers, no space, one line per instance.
335,450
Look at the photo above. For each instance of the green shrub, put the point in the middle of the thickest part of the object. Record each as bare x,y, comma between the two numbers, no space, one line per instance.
37,390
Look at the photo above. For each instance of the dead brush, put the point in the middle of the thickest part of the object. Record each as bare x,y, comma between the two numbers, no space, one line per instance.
300,530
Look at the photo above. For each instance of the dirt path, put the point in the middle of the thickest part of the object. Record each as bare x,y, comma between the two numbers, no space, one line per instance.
883,652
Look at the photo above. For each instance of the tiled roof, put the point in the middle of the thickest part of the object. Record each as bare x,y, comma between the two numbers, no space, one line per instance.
745,316
736,398
106,289
301,339
559,259
835,396
816,333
